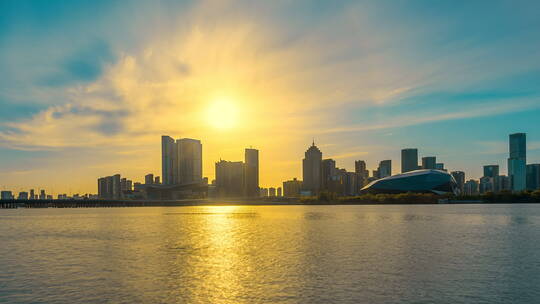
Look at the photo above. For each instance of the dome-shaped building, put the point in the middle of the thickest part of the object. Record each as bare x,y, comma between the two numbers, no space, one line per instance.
418,181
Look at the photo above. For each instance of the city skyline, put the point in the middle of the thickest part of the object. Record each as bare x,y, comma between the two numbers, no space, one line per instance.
365,79
182,163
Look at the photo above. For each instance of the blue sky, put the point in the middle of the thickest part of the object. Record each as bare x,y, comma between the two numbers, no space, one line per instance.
87,87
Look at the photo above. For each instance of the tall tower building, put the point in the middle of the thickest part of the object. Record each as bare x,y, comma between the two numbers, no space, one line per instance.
251,179
168,159
311,170
517,162
409,160
189,161
230,178
360,168
533,177
429,162
459,176
116,187
328,171
385,168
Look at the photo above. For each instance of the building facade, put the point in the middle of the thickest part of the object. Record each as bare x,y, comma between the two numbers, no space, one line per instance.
459,176
385,168
517,161
429,162
188,161
311,170
533,177
251,159
292,188
168,159
409,160
230,178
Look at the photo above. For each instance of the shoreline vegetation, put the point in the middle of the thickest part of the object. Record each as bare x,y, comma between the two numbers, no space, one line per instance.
324,198
428,198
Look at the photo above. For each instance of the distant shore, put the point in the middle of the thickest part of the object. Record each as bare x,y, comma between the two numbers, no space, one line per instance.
73,203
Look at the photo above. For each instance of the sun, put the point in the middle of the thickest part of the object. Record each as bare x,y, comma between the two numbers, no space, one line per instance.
222,114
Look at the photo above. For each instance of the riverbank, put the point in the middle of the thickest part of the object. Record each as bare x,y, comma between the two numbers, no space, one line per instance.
366,199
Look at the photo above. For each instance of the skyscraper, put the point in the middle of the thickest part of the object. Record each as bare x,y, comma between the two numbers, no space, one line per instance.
459,176
116,187
168,159
517,161
189,161
409,160
360,168
149,179
251,180
311,170
385,168
429,162
181,161
491,170
361,172
230,178
533,177
328,172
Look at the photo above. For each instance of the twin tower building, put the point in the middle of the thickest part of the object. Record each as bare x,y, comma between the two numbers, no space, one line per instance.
181,164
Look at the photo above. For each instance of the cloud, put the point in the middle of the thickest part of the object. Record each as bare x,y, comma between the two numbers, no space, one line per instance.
507,106
293,70
85,65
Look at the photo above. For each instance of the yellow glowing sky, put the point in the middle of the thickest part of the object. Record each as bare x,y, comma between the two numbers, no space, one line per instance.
362,79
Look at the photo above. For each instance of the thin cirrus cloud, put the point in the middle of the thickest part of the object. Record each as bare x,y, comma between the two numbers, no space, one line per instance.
294,70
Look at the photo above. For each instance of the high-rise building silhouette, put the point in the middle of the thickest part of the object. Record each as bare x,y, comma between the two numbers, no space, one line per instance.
517,161
385,168
149,179
168,159
533,177
189,161
409,160
251,178
459,176
328,173
292,188
360,168
116,187
230,178
311,170
491,170
429,162
181,160
470,187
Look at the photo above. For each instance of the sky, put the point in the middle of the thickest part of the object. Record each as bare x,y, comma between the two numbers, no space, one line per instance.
87,88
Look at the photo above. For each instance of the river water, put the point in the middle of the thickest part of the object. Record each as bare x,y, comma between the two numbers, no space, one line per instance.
272,254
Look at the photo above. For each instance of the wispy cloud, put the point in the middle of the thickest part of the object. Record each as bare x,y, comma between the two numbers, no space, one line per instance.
507,106
295,70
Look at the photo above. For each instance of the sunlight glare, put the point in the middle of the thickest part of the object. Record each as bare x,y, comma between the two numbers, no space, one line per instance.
222,114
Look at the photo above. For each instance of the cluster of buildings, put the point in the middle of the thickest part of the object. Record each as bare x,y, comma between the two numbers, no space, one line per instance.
237,178
42,195
181,166
521,176
322,175
182,176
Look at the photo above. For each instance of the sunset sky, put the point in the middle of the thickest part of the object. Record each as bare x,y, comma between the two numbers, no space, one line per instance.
87,88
